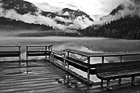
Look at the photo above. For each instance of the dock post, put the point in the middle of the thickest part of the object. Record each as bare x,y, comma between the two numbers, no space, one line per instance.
88,70
50,51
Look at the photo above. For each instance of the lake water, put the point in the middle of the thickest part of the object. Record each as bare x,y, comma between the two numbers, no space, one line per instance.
87,44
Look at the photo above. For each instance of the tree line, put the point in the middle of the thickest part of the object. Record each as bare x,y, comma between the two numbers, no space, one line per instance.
124,28
6,23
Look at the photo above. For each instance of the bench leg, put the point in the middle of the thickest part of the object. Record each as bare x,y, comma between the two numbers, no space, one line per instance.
108,84
102,81
119,81
132,80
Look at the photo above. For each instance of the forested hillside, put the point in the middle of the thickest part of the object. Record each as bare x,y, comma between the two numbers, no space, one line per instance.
9,24
126,28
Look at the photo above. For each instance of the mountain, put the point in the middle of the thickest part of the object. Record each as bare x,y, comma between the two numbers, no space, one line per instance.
124,28
122,22
116,10
10,24
20,6
74,13
72,19
20,10
121,11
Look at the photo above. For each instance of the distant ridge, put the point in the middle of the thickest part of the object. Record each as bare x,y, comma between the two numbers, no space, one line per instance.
10,24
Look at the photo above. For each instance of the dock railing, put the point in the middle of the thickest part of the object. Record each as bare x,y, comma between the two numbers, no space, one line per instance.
38,50
64,57
88,66
11,51
66,62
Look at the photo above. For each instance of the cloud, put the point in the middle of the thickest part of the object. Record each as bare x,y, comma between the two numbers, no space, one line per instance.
47,7
62,19
28,18
71,5
91,7
78,23
129,8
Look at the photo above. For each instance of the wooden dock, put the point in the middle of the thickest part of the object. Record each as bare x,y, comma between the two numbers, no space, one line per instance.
53,74
43,77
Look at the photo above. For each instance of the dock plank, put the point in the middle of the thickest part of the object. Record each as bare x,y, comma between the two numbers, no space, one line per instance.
43,77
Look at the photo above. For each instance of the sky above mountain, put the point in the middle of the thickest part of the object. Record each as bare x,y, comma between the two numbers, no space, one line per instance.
95,8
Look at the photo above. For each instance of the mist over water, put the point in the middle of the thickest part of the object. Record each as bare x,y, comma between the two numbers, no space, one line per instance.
93,45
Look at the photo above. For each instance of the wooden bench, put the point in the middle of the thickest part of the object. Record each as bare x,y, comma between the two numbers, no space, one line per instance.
10,51
108,71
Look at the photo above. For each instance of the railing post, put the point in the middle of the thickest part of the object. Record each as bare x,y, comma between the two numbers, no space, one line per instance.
88,70
64,60
45,52
119,81
51,47
26,55
102,83
132,80
103,59
68,53
68,66
121,60
19,56
67,62
53,57
50,51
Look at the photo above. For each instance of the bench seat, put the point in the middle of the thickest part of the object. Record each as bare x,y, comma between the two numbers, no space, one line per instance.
108,71
114,75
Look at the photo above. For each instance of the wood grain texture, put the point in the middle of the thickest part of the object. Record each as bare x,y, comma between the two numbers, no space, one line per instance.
43,77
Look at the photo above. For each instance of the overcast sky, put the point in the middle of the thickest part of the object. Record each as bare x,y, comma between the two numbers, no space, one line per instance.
92,7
